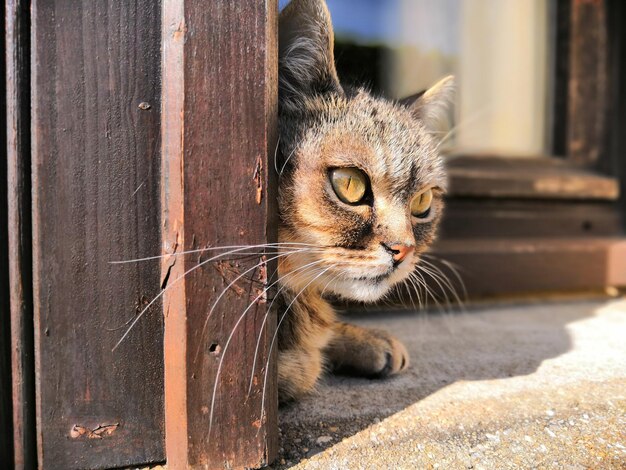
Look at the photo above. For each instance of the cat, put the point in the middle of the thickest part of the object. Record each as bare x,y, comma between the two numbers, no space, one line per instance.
360,190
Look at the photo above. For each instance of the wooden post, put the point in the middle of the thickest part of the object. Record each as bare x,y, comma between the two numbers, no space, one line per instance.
587,90
95,148
20,234
6,428
219,122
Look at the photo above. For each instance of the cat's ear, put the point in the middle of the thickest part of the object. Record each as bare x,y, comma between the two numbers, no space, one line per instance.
306,59
433,107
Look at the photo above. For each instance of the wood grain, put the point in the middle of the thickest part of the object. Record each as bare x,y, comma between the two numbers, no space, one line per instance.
614,162
220,71
96,200
530,178
535,218
560,54
501,267
587,84
20,232
6,428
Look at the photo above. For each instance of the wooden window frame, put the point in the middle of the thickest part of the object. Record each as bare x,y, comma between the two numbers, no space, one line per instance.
496,228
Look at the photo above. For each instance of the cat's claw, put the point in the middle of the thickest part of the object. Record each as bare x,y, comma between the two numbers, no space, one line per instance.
396,360
366,352
387,370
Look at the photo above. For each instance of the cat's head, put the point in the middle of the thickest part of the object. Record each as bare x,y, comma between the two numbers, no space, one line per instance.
361,177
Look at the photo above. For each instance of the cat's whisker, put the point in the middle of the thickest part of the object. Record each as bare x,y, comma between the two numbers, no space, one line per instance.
428,291
282,169
226,289
480,113
269,355
396,287
438,275
442,291
332,279
442,281
417,291
117,328
454,269
436,272
266,316
169,285
419,286
405,288
276,155
408,291
459,299
215,248
223,355
408,288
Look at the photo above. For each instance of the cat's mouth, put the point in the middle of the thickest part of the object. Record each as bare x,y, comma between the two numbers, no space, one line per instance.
374,279
368,288
393,274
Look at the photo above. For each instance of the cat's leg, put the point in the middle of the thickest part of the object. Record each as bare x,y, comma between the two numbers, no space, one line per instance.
306,329
298,371
366,352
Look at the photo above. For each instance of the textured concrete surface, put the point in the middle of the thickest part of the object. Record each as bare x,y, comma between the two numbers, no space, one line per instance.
535,386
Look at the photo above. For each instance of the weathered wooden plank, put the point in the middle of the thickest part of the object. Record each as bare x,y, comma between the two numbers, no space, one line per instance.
518,218
96,122
500,267
614,162
560,69
533,178
20,233
587,90
617,264
220,96
6,428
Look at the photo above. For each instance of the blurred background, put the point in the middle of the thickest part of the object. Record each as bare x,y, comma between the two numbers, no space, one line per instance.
534,156
501,52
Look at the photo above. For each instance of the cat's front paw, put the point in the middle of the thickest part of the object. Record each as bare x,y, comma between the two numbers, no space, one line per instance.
366,352
396,357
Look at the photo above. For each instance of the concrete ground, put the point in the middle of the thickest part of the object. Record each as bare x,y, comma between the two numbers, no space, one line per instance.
535,386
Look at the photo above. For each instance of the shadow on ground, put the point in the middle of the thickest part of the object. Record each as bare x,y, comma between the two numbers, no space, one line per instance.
445,349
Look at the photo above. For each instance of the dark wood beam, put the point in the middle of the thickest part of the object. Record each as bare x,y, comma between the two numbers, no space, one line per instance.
587,83
538,266
527,178
96,179
219,124
20,232
6,421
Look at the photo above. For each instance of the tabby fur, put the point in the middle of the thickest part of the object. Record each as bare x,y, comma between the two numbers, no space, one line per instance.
324,125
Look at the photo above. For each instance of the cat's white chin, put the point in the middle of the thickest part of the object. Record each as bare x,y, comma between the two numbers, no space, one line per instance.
367,290
361,291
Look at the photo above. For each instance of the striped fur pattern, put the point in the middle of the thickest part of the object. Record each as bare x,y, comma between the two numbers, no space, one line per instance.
323,126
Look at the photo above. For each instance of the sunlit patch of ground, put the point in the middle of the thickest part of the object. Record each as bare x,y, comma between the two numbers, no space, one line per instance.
519,387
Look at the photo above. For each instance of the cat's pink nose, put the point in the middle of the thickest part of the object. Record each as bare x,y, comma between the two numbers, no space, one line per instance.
401,251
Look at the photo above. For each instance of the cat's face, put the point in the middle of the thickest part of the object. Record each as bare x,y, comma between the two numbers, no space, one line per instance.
362,179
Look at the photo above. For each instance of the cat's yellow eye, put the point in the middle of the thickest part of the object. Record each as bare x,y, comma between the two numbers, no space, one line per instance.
420,205
349,184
